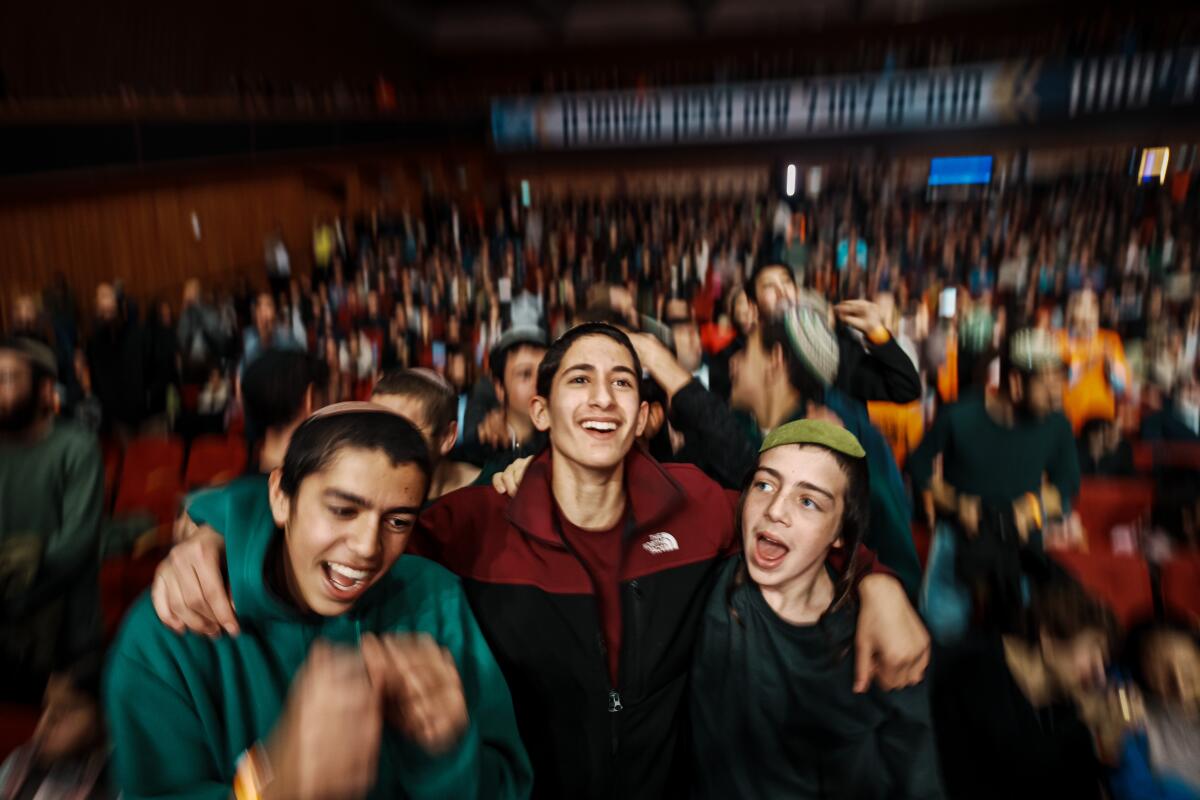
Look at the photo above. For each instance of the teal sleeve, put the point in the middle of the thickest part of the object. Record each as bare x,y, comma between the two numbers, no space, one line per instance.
161,747
210,507
490,760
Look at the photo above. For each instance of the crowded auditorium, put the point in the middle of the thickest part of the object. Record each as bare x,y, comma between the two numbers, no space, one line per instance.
665,379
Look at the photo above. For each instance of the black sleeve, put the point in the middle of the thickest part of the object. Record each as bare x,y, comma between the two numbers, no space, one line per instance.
721,445
883,372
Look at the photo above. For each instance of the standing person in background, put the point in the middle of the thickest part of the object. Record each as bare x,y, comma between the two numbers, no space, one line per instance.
162,367
995,451
116,354
51,499
278,261
1096,361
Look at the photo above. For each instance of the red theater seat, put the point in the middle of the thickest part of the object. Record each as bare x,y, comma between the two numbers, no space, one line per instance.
215,459
1123,582
150,478
16,726
1105,503
1181,586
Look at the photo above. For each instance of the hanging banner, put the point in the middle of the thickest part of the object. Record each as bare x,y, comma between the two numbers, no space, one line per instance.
945,98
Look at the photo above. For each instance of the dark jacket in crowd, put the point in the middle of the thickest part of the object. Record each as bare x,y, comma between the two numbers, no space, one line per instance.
116,355
994,744
875,372
1166,426
162,365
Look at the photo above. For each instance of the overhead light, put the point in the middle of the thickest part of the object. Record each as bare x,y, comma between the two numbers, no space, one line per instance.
791,180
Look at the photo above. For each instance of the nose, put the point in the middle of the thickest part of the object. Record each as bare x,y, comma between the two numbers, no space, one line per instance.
362,537
776,510
601,395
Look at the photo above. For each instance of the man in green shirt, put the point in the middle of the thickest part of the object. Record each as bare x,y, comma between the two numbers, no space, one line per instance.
51,498
359,671
996,451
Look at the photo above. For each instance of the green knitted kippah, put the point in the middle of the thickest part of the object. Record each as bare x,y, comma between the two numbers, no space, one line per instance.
814,431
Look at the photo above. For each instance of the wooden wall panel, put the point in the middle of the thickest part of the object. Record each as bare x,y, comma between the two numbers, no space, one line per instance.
144,236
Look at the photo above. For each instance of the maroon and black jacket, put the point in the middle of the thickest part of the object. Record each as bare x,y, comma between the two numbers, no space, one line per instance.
538,609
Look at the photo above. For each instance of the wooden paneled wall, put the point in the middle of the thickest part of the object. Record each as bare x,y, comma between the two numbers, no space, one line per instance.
144,235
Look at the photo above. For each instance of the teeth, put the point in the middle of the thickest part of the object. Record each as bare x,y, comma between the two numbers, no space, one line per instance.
348,572
592,425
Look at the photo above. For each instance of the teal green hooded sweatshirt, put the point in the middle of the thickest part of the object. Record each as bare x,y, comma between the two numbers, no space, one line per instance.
182,709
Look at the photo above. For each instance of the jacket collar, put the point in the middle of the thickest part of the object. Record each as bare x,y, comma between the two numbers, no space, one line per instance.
651,493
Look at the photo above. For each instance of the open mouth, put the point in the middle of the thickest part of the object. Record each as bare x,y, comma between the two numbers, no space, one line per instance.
344,582
600,428
768,551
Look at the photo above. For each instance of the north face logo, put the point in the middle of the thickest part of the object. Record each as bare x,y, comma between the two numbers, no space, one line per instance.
661,542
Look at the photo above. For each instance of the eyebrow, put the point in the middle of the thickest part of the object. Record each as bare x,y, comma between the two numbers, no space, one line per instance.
802,484
355,500
590,369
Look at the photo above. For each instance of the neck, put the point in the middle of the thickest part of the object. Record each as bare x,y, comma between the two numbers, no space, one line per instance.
450,475
1000,409
39,428
777,405
1028,671
803,599
589,498
274,447
520,425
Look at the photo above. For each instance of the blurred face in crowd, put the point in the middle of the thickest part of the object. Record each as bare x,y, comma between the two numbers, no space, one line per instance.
1041,392
773,287
373,304
520,378
743,313
1085,314
594,412
264,313
749,371
18,398
1171,664
346,526
24,312
792,514
413,409
688,350
69,725
1078,663
456,371
191,292
106,303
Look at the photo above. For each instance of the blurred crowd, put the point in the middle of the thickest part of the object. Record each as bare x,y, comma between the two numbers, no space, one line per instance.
985,351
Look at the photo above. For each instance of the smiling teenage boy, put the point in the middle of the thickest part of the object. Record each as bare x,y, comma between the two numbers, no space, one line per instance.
357,671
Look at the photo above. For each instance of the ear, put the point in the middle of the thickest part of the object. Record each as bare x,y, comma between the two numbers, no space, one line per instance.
655,418
499,387
449,439
310,402
539,413
642,416
281,504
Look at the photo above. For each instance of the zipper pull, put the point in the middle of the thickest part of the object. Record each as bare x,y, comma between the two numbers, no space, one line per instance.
614,702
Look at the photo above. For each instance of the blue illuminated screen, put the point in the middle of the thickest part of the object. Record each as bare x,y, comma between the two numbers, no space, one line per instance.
959,171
